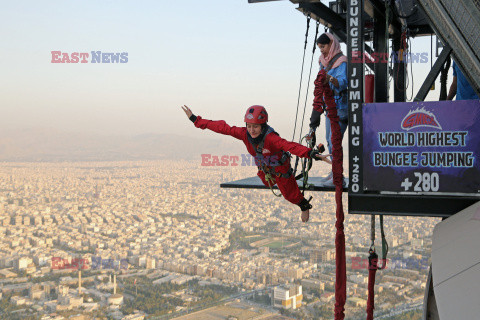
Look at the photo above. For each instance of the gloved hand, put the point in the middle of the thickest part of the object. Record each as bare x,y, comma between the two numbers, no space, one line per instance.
310,135
314,154
189,113
315,118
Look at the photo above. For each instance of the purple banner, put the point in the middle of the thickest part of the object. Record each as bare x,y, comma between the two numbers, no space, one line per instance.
422,147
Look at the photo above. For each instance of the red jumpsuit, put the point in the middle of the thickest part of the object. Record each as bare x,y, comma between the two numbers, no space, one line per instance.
272,147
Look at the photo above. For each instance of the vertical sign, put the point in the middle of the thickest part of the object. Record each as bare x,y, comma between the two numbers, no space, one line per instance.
355,47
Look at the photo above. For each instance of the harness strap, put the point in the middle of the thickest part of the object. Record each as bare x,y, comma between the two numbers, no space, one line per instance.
271,182
329,67
271,164
332,61
272,172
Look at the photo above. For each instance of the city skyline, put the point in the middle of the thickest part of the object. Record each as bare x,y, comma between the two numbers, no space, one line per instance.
149,220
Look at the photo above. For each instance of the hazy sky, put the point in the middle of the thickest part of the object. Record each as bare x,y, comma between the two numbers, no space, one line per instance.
216,56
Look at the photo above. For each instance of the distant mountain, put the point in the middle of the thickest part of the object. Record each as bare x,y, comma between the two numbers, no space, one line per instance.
52,145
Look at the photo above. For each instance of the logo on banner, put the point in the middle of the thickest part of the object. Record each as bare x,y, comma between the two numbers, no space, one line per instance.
420,118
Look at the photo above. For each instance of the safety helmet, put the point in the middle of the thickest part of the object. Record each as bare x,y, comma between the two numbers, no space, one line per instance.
256,114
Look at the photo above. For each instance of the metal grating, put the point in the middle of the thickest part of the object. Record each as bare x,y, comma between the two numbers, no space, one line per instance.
463,15
457,23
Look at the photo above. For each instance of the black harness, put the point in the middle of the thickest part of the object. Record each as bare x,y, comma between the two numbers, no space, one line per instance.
332,61
265,164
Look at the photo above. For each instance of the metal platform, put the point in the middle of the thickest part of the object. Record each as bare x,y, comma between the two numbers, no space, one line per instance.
255,183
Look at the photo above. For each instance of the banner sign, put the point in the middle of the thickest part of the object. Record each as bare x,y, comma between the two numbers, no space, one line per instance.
422,147
355,67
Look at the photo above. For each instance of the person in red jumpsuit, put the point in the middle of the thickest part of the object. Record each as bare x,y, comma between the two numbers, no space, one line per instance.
269,150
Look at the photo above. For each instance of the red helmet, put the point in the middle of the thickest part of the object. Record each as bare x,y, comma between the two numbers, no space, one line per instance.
256,114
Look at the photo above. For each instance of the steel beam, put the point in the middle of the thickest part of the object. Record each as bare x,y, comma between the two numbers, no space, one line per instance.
380,45
376,8
433,74
333,20
398,205
399,79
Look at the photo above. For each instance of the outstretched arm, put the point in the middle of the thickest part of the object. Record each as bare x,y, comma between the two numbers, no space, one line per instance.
298,149
216,126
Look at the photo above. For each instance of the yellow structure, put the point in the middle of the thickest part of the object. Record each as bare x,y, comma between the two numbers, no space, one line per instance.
287,297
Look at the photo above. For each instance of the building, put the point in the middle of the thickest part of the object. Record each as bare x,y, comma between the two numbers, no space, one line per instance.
4,273
150,264
287,297
36,292
17,301
315,256
358,302
313,284
115,299
75,301
328,255
135,316
22,263
295,273
62,290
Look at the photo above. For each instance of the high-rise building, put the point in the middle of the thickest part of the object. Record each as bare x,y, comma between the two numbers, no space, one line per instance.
287,297
328,255
315,256
150,263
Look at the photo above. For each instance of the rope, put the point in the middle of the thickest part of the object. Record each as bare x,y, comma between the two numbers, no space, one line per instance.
403,47
372,269
271,181
384,245
323,90
373,265
301,75
309,75
306,166
372,231
387,37
443,80
411,67
306,97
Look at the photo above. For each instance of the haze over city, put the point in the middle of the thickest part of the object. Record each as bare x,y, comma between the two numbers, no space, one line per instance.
214,56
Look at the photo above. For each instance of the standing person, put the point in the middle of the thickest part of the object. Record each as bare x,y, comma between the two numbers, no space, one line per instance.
335,64
460,86
269,151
